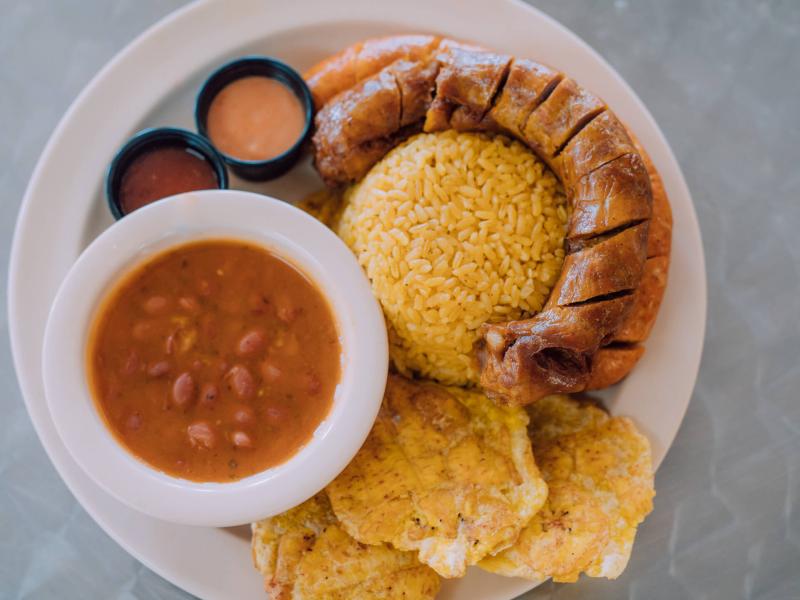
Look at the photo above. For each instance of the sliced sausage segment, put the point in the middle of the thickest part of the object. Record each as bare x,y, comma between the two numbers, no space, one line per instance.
417,82
646,301
556,120
610,266
375,54
355,63
550,353
466,84
600,142
334,75
611,364
613,196
528,84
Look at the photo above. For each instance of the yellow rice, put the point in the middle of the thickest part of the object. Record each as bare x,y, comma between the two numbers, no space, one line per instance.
453,230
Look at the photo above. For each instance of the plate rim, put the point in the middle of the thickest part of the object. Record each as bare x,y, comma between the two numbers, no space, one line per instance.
25,371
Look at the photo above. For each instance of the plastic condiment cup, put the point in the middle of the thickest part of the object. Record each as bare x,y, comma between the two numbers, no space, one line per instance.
152,139
261,66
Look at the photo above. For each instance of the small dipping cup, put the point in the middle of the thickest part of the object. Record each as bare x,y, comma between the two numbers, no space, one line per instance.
257,66
149,140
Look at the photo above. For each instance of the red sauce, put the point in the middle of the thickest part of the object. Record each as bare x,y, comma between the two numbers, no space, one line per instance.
163,172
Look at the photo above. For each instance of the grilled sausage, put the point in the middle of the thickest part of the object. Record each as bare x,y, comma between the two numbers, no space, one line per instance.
611,197
615,361
360,61
465,87
556,120
527,86
376,93
612,363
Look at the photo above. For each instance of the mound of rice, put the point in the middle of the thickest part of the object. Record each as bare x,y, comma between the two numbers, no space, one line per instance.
453,230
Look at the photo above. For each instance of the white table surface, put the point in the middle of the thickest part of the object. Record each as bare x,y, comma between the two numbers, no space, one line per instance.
723,80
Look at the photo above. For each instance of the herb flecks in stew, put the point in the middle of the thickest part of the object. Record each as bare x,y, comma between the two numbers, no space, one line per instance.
214,360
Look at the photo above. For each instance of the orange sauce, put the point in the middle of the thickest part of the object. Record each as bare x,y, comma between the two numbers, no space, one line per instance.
214,361
255,118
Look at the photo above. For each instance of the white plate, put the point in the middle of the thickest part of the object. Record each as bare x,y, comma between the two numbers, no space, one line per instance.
153,82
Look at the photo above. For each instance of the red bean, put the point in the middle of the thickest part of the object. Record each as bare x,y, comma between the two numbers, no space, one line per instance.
134,422
241,440
244,415
155,305
312,382
184,390
241,381
189,304
222,366
285,310
274,415
256,303
132,363
113,391
251,342
158,369
143,330
201,435
209,394
171,343
270,372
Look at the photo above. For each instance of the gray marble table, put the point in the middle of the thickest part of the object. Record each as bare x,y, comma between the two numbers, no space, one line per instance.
723,80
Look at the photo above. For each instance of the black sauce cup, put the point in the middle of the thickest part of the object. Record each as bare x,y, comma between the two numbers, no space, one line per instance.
262,66
151,139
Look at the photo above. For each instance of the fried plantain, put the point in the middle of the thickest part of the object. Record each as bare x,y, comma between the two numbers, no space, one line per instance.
444,472
599,471
304,554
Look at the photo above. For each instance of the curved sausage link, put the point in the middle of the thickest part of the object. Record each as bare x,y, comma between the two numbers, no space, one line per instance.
360,125
374,94
612,363
360,61
522,361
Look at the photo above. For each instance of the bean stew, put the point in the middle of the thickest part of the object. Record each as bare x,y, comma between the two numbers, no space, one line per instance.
214,360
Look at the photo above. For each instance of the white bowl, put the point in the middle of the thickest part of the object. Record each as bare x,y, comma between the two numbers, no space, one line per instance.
203,215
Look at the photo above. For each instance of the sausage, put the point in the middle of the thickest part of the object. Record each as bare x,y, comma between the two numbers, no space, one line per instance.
660,241
611,197
636,328
356,63
608,181
416,84
465,87
612,363
610,266
556,120
598,143
369,111
646,302
527,86
363,123
549,353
